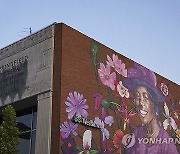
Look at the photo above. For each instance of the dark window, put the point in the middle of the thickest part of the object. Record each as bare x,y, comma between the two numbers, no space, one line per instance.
34,119
24,143
33,142
26,120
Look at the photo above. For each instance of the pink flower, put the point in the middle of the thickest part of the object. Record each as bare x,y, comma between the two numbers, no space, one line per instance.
123,91
76,105
103,113
97,101
114,62
164,89
117,65
106,77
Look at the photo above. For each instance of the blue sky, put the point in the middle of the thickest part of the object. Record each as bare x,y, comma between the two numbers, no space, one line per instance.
147,32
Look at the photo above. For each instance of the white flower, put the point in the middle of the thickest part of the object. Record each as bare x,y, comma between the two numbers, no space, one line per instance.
164,89
87,137
123,91
169,120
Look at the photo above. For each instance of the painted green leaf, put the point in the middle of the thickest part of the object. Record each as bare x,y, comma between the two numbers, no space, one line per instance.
79,148
94,152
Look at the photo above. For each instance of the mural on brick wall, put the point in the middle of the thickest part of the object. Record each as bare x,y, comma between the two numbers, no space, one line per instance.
138,115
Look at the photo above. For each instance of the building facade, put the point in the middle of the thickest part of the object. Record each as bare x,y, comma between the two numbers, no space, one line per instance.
72,94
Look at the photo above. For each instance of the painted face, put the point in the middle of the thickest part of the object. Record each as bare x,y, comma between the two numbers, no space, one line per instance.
144,105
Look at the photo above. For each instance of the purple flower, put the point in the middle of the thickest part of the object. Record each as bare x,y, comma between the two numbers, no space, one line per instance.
69,146
68,127
105,132
97,101
109,120
76,105
105,149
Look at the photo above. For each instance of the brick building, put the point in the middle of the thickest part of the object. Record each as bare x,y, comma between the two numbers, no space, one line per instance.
67,87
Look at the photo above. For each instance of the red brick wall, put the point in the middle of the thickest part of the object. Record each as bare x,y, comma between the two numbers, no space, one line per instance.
73,71
56,97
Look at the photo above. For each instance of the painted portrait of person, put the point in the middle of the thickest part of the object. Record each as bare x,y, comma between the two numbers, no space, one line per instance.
143,83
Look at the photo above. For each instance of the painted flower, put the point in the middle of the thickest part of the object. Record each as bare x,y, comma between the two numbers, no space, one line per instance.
106,77
108,151
105,132
123,91
69,146
114,62
103,113
97,101
87,137
105,149
67,128
175,110
117,65
178,133
125,115
176,115
76,105
117,140
169,120
109,120
164,89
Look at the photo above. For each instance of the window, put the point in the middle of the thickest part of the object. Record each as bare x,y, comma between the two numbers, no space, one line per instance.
26,120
